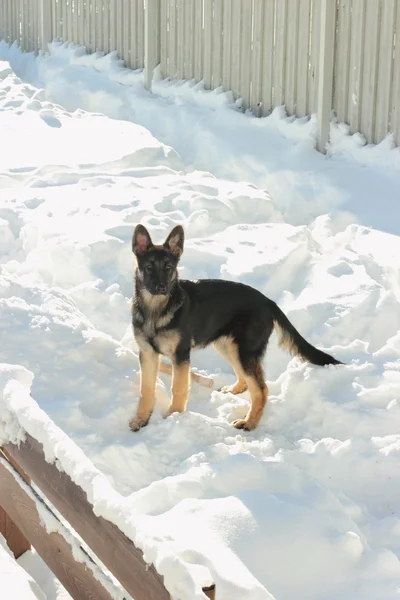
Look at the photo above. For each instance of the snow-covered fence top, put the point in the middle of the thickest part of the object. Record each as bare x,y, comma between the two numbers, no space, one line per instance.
311,55
122,539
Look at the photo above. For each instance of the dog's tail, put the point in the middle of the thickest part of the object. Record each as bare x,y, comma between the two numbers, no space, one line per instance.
290,339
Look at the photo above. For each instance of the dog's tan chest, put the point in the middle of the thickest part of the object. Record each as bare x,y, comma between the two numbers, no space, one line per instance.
164,341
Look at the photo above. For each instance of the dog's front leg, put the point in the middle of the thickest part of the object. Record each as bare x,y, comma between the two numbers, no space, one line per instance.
149,361
180,386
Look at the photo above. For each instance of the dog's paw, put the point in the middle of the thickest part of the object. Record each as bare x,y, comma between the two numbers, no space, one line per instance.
171,411
244,424
236,388
138,422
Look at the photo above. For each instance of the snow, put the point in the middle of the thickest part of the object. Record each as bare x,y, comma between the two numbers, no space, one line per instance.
306,505
15,580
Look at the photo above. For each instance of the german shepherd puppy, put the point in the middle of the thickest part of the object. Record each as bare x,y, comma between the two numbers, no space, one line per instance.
172,317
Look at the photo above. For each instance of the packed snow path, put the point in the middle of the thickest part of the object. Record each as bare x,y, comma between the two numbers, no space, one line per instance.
307,505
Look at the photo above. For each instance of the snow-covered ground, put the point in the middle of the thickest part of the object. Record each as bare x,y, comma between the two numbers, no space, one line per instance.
307,505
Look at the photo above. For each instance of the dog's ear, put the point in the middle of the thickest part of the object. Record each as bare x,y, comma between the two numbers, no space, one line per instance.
141,240
175,240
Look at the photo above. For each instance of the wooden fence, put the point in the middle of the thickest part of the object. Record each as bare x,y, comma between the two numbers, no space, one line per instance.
22,524
314,56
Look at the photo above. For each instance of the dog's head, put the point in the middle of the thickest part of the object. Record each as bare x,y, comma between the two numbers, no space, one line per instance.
157,264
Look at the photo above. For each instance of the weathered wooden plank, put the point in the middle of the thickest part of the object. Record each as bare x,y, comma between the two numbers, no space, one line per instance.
370,69
19,503
210,592
15,539
112,547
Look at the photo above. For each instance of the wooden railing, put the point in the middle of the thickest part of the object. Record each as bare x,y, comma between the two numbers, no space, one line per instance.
22,521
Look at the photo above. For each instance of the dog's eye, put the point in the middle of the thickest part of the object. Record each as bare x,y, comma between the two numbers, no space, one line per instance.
149,268
168,267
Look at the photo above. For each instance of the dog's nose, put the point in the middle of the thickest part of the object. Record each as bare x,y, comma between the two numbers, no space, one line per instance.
162,289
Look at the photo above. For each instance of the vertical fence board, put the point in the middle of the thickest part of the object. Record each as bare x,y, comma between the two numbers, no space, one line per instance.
199,36
385,68
17,4
395,101
164,38
106,25
25,19
57,19
256,56
218,36
325,72
75,21
86,13
172,39
63,26
356,64
370,68
112,26
208,41
127,33
226,50
180,59
314,56
236,47
188,72
303,58
140,32
135,24
80,21
342,56
12,24
268,56
3,20
291,57
279,66
245,51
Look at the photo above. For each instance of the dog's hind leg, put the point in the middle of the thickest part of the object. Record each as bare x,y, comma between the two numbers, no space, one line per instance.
227,348
149,361
259,395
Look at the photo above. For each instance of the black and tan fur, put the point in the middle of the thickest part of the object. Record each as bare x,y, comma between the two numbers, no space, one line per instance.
172,317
